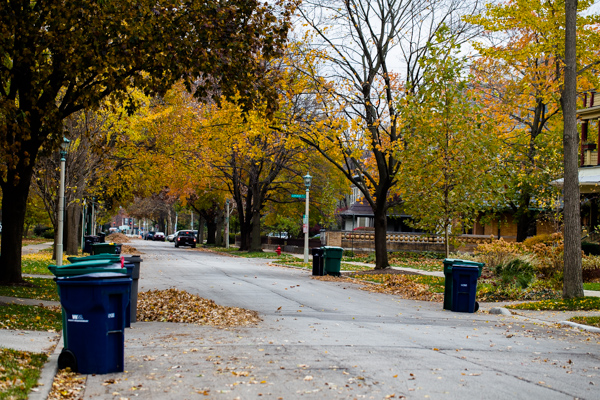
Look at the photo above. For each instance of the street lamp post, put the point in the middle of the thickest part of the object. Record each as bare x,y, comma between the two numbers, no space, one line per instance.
61,201
307,181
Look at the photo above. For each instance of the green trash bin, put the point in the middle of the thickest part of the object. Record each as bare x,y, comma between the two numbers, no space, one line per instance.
83,268
448,264
106,248
332,259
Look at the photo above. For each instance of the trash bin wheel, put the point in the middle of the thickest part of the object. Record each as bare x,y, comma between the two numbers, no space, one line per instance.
67,359
476,306
193,246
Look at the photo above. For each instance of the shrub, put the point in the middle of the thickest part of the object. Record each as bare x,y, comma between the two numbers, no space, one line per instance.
590,248
543,238
39,230
549,258
590,268
48,234
518,271
497,253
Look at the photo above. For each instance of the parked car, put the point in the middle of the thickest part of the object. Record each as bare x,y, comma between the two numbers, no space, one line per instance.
149,235
159,236
171,237
185,238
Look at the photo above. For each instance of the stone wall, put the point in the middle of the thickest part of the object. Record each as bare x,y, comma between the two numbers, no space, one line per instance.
365,241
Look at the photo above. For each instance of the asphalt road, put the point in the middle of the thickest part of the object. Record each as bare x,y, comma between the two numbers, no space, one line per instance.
327,340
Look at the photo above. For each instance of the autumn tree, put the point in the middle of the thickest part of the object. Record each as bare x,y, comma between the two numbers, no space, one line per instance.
362,46
249,160
519,79
445,174
535,54
84,164
60,57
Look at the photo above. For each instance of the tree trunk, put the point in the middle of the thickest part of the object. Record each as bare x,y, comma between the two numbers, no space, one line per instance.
72,232
255,244
524,220
219,239
211,229
572,282
200,238
14,203
447,240
381,255
244,236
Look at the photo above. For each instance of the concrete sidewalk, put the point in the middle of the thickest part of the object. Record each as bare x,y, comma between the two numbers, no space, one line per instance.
34,248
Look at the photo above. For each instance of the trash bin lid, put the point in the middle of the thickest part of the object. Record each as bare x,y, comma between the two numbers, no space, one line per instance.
103,256
92,277
456,261
90,264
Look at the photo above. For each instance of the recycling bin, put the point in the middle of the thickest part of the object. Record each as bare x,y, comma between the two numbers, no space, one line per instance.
464,288
332,259
317,261
134,273
95,306
449,263
106,248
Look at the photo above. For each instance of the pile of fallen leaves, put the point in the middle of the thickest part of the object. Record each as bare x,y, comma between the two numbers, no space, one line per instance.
117,238
174,305
404,286
67,385
125,249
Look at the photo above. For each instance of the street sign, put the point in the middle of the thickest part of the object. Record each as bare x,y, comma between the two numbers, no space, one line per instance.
298,196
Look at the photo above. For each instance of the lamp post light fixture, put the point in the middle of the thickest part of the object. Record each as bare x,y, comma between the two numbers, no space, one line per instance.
64,146
307,181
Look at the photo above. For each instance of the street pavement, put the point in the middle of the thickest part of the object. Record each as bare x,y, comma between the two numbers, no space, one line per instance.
331,340
323,339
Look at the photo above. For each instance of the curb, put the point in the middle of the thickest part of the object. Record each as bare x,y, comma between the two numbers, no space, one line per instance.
580,326
49,371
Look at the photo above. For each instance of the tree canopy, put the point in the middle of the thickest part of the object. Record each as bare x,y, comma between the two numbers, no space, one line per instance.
59,57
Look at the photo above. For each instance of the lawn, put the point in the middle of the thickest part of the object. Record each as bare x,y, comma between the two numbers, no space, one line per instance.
30,318
19,372
426,261
35,288
591,321
577,304
592,286
37,263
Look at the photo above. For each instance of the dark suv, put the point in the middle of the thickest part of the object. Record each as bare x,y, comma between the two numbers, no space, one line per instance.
185,238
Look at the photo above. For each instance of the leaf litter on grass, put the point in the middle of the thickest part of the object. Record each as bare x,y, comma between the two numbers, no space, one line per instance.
19,372
404,284
173,305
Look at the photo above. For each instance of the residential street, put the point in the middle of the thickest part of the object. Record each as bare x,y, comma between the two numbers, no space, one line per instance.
331,340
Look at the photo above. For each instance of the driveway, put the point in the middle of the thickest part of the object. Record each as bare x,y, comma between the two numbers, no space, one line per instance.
331,340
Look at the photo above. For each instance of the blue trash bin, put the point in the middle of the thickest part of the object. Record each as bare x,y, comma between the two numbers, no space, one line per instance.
95,306
464,288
